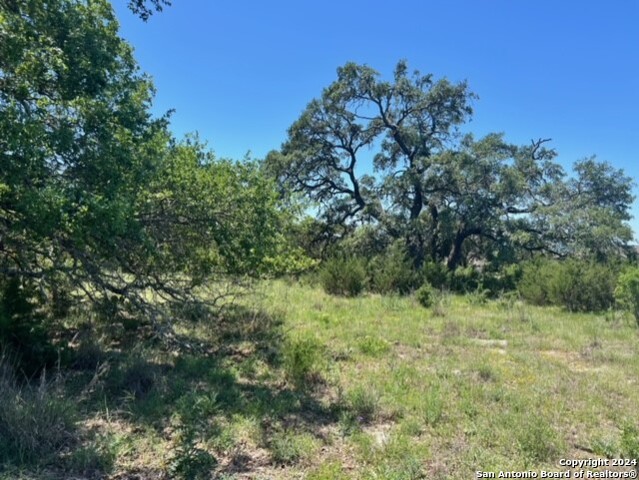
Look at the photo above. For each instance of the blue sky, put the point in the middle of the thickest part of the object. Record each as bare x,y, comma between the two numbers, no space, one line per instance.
240,72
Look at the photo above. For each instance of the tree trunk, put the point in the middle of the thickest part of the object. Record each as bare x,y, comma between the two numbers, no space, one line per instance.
456,253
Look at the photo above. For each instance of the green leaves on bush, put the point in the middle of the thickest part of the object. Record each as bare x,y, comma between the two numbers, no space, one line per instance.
392,272
425,295
627,291
22,330
578,285
346,277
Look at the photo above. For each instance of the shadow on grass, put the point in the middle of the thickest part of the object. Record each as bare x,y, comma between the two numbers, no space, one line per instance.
226,369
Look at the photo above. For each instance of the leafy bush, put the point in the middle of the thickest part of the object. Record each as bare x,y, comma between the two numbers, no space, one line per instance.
578,285
465,279
425,295
503,280
393,272
436,274
537,281
585,286
340,276
627,291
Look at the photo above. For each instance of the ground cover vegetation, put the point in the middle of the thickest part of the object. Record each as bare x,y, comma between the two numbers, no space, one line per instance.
383,297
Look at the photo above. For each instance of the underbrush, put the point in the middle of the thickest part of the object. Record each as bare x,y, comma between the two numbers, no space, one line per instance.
37,420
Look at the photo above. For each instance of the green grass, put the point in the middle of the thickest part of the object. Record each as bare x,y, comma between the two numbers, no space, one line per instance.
300,384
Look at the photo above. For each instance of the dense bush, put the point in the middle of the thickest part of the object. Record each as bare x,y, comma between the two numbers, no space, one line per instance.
23,330
425,295
340,276
464,280
578,285
435,274
392,272
505,279
627,291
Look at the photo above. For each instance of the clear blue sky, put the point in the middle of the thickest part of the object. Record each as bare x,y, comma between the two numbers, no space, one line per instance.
240,72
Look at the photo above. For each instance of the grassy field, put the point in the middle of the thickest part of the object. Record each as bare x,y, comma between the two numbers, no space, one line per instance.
298,384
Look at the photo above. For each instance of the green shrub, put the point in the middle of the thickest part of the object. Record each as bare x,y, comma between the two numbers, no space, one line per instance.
436,274
537,281
464,279
189,461
627,291
23,330
496,283
346,277
425,295
585,286
578,285
393,272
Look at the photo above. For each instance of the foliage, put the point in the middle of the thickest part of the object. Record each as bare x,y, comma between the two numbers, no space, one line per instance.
189,460
96,196
145,8
341,276
373,346
425,295
464,279
22,331
578,285
627,291
436,274
504,279
451,198
392,272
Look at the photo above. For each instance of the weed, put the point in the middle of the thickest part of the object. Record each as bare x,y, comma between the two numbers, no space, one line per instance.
36,421
538,441
373,346
328,471
432,408
303,361
441,303
363,403
190,461
287,447
629,444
